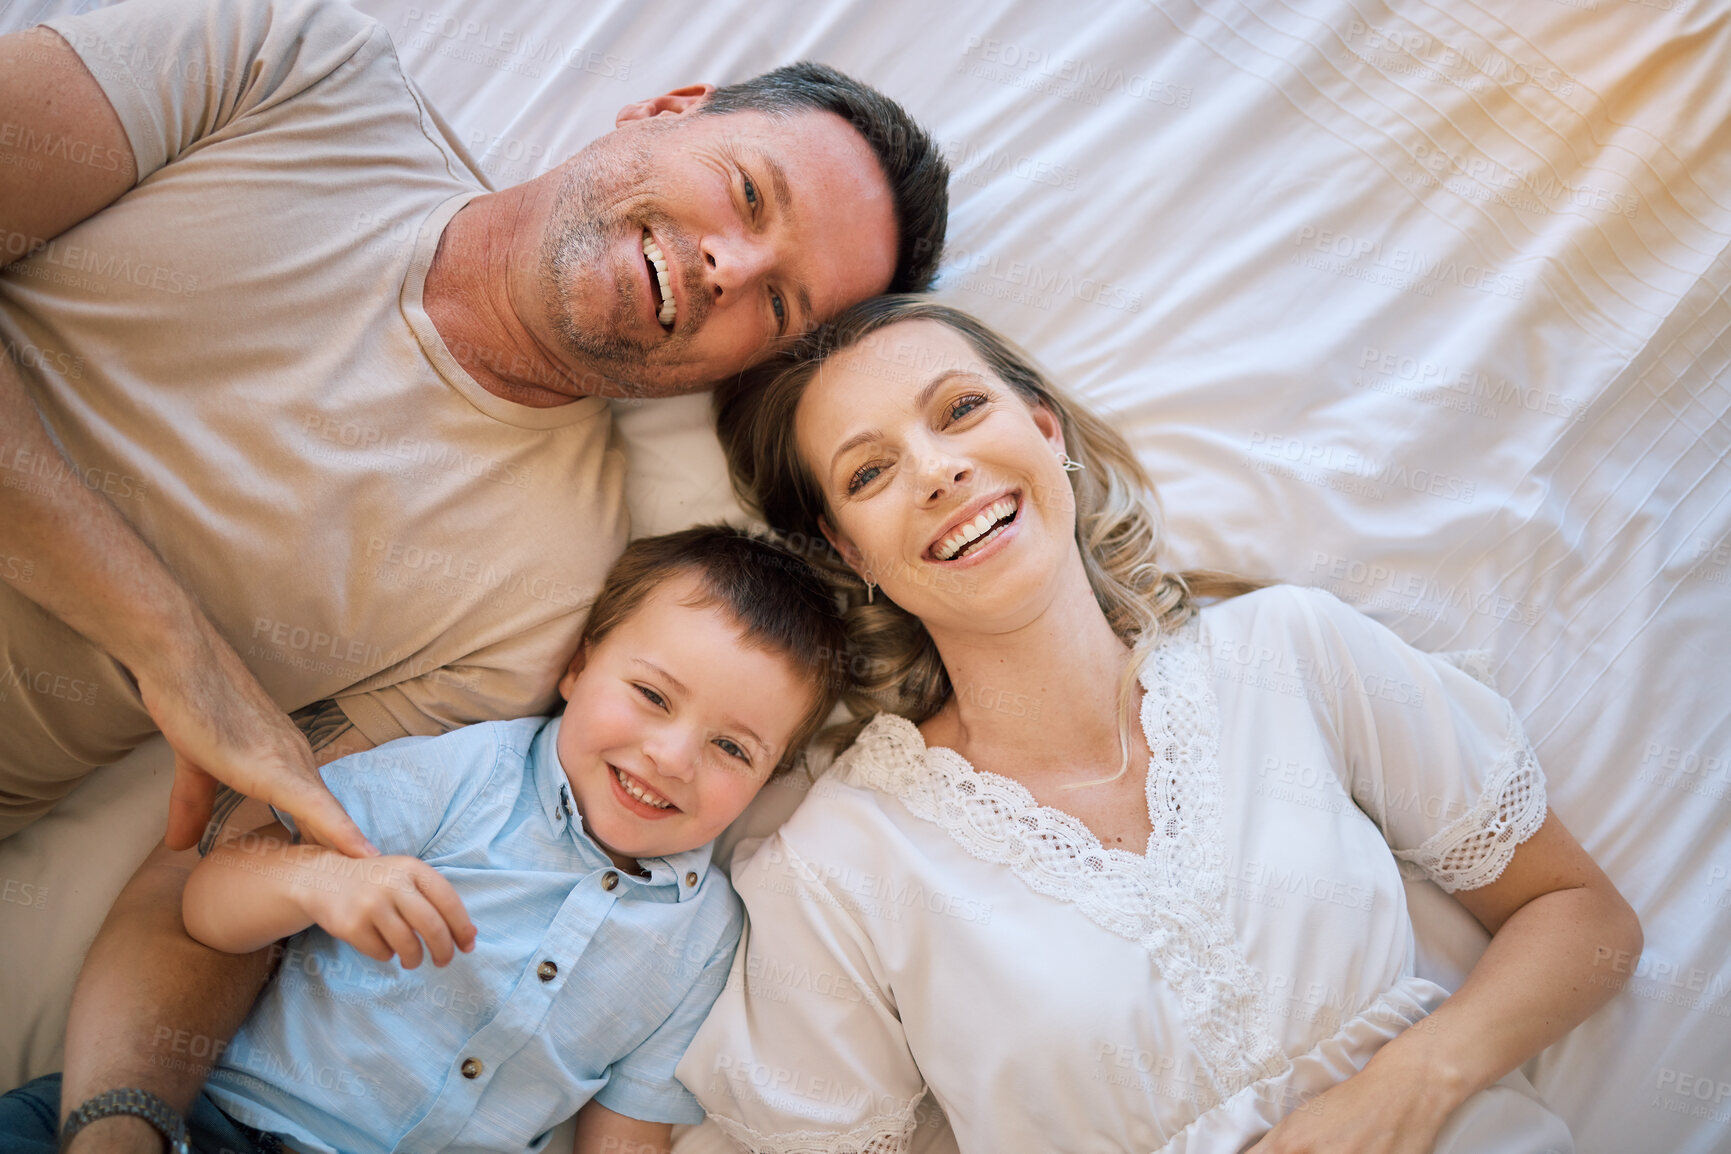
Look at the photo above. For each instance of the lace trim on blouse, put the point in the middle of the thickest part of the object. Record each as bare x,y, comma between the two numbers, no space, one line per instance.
1478,664
1171,901
881,1134
1475,848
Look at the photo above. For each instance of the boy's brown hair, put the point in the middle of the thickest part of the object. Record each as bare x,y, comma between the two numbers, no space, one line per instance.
776,599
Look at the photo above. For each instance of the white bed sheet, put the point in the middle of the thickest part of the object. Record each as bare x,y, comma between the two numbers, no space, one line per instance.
1425,304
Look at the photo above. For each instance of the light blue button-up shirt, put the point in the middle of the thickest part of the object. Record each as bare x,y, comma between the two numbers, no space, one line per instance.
585,981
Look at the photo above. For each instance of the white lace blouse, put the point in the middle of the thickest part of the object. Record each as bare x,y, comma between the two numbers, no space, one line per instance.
920,924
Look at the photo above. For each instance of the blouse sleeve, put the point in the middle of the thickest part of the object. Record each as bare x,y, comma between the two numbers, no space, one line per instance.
1437,760
804,1051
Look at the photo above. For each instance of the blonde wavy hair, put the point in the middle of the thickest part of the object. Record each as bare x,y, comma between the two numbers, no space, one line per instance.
893,662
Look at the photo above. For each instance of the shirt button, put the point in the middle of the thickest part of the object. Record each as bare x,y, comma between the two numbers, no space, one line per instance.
691,878
609,880
471,1067
547,971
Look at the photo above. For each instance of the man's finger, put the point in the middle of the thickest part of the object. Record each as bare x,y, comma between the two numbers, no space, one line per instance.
443,896
190,802
321,817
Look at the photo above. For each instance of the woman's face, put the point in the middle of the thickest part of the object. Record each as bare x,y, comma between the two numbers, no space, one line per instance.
944,486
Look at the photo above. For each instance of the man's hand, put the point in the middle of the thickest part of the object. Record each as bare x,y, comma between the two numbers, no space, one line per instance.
94,572
388,906
103,580
223,727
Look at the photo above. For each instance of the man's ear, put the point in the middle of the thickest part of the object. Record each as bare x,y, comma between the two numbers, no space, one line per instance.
843,545
672,103
568,679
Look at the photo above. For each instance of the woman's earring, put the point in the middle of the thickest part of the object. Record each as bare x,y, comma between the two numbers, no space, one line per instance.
1068,465
870,588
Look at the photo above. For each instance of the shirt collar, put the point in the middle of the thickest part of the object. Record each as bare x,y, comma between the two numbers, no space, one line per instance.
559,811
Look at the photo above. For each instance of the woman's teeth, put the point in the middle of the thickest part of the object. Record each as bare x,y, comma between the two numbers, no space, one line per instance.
639,793
659,262
976,529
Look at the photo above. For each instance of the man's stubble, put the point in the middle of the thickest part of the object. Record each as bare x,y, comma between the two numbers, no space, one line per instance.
608,190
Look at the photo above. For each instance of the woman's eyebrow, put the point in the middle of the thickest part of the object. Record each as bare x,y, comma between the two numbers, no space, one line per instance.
937,382
920,402
852,443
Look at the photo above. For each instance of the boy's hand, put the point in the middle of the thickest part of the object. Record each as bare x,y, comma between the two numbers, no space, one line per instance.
388,906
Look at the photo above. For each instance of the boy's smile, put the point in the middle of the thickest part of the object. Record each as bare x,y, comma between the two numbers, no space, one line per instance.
672,724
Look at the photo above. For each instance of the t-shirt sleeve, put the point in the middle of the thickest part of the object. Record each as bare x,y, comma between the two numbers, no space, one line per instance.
1437,760
641,1084
804,1049
406,793
180,73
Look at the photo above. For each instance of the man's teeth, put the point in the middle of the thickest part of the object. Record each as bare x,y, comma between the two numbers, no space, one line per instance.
640,794
975,529
653,252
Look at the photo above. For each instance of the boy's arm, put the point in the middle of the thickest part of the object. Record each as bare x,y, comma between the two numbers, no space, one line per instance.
250,892
259,888
601,1131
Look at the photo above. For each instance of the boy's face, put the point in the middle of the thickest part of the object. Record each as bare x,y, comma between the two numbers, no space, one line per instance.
672,725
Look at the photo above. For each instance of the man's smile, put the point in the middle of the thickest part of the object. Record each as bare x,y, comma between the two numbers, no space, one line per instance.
660,283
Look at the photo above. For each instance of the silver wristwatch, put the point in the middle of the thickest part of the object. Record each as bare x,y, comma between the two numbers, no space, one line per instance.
138,1104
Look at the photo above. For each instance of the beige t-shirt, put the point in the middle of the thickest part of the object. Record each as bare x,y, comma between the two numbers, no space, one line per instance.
235,353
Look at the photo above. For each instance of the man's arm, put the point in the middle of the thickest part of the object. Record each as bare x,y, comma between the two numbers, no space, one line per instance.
93,571
153,1008
45,87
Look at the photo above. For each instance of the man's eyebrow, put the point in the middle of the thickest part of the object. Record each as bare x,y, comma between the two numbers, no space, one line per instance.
783,194
778,186
920,402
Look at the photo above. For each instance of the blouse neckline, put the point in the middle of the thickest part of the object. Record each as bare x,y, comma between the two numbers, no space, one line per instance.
1170,900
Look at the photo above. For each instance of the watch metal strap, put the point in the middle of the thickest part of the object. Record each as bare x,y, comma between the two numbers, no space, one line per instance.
137,1104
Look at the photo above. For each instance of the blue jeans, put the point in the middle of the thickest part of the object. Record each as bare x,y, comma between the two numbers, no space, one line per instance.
30,1124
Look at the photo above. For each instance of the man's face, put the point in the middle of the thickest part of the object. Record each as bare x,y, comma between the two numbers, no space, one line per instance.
765,227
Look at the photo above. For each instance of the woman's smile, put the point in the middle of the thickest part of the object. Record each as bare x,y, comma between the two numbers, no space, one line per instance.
979,523
974,535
